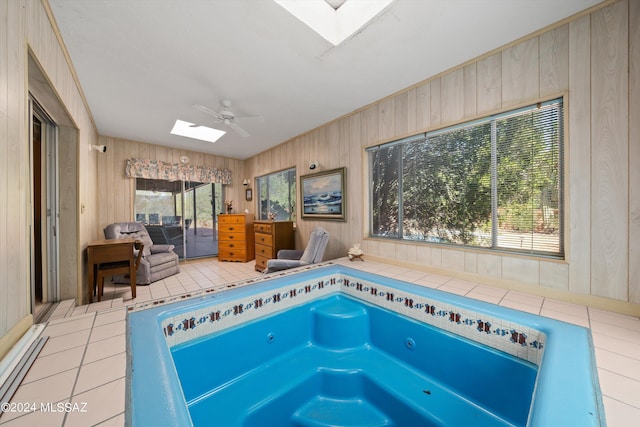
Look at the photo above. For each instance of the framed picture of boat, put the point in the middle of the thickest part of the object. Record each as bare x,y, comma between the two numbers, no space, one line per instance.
324,195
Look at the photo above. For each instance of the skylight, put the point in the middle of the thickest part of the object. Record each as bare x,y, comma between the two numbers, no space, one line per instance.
335,20
335,3
191,130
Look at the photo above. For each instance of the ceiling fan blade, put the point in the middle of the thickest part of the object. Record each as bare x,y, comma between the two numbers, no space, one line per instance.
227,117
255,118
243,133
208,111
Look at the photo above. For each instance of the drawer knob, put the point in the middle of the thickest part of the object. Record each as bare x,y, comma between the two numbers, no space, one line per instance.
230,228
231,245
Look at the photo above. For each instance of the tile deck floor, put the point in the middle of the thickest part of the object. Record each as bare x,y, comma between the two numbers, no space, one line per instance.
84,359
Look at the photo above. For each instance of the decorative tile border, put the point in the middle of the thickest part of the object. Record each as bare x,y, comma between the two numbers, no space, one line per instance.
504,335
185,327
215,289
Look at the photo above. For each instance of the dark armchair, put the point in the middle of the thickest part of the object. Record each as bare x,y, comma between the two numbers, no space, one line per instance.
289,258
157,261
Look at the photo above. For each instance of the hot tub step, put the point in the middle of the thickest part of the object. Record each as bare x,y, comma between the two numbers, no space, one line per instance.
340,323
289,391
326,411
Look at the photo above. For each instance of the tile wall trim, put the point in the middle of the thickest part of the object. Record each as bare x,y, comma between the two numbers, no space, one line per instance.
504,335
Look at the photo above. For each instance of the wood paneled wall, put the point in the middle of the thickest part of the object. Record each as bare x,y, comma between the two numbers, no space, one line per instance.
610,151
77,165
26,28
594,61
14,243
116,202
634,151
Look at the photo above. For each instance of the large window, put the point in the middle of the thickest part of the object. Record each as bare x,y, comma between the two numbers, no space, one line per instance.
277,195
493,183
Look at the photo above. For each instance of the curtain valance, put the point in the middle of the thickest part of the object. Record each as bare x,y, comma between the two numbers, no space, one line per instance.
156,169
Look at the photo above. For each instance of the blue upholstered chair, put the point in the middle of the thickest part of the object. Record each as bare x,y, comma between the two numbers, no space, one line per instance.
290,258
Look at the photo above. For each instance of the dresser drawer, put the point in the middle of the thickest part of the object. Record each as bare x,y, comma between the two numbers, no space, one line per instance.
232,236
264,239
232,255
263,228
231,219
261,262
232,245
231,228
266,251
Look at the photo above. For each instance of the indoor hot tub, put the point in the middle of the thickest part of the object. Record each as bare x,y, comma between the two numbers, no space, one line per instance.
333,346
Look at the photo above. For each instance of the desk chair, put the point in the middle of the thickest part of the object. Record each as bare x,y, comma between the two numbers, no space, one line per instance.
127,268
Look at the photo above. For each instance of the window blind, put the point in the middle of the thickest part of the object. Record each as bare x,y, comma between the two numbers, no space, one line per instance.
494,183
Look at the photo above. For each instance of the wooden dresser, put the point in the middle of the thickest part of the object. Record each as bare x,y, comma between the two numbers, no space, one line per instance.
235,237
271,236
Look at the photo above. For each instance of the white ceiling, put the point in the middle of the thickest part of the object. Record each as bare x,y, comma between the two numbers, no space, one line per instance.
143,64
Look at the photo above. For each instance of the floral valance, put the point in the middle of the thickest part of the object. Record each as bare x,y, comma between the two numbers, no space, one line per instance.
156,169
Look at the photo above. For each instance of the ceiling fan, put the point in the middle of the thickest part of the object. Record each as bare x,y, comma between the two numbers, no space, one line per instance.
228,118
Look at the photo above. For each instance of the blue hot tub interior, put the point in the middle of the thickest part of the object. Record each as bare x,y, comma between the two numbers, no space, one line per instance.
336,346
345,364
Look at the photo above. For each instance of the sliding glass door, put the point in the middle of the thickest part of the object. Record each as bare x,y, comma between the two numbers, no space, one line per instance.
200,202
180,213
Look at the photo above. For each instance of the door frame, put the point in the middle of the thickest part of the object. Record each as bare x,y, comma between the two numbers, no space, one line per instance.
50,226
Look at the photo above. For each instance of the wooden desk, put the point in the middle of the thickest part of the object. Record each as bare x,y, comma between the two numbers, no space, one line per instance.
113,250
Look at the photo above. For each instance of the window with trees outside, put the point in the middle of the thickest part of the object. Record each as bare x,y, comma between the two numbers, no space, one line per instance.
276,195
494,183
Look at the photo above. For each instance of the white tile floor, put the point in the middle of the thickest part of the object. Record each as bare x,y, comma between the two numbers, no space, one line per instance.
84,360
